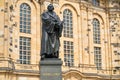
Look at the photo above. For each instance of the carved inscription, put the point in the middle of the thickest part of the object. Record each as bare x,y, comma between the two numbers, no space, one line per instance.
51,74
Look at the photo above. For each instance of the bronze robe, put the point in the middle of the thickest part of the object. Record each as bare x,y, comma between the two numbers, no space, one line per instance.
51,32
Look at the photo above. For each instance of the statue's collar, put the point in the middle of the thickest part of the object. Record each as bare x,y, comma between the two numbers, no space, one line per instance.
51,14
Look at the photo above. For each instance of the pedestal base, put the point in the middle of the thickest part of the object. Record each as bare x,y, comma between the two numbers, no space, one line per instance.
50,69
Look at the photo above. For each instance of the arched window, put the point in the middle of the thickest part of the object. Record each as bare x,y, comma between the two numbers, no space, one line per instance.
68,23
25,18
96,31
96,2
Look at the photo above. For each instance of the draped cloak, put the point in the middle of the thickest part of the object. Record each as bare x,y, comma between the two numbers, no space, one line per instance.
51,33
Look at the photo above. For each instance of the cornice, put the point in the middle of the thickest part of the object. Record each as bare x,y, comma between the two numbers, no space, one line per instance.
93,75
54,1
114,9
26,71
16,71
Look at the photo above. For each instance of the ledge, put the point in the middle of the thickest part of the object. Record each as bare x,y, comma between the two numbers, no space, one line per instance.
51,61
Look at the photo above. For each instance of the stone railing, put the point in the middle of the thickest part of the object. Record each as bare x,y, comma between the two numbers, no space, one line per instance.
81,67
27,68
7,64
54,1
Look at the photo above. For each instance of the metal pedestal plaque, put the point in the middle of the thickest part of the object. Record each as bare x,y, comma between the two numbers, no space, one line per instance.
50,69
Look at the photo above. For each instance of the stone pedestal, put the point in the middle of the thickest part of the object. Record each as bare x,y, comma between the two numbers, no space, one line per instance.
50,69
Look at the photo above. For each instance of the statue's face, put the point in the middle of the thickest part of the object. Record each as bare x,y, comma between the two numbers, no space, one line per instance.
50,7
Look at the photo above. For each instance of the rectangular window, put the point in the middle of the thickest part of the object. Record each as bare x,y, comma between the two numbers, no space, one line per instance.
68,53
96,2
98,57
25,50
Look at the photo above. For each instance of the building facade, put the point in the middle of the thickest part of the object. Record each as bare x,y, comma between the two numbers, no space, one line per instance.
90,48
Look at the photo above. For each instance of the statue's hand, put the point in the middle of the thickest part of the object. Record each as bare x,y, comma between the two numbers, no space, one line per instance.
62,22
57,24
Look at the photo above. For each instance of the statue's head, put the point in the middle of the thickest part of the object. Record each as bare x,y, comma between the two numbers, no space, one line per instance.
50,7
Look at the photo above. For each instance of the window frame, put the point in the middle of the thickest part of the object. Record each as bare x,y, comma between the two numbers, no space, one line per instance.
68,53
98,57
24,50
68,23
96,31
25,18
96,2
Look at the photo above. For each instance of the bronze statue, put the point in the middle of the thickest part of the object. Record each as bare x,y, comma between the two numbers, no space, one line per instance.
51,32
